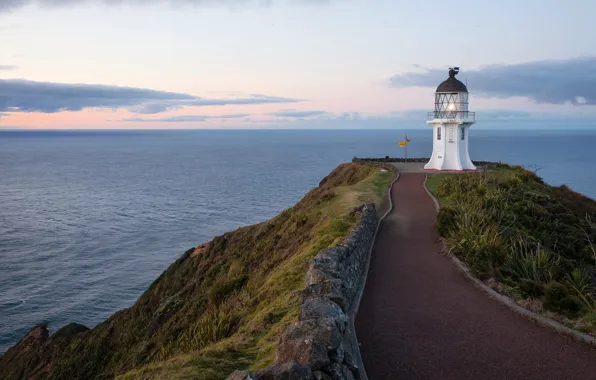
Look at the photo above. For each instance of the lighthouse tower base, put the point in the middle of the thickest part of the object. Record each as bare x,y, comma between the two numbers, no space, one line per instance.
450,145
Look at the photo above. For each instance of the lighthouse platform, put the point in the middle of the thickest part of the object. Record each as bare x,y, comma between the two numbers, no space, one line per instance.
416,165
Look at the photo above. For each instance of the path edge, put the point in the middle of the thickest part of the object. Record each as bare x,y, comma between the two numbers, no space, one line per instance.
359,293
539,319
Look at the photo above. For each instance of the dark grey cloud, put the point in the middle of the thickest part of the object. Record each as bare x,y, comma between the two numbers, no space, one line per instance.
551,81
8,5
187,118
8,67
296,113
17,95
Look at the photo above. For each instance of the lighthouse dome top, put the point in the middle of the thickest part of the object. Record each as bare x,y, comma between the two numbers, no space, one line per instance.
452,84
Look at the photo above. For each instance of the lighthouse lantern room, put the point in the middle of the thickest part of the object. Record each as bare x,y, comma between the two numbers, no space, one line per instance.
450,121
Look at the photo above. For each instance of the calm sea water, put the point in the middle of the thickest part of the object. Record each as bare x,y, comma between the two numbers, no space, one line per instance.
89,219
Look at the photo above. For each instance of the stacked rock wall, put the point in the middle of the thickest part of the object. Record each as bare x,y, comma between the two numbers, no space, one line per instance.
319,345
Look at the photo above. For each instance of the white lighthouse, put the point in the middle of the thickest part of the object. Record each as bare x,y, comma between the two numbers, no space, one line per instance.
451,121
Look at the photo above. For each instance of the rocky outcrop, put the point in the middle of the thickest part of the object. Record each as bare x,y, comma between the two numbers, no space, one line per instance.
318,346
35,338
25,354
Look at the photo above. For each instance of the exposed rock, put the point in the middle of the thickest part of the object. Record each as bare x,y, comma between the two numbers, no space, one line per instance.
330,289
34,339
319,308
318,375
241,375
339,372
314,275
199,249
308,343
349,359
285,371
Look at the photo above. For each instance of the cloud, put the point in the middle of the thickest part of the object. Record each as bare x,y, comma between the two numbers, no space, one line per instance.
230,116
8,67
8,5
17,95
296,113
550,81
169,105
187,118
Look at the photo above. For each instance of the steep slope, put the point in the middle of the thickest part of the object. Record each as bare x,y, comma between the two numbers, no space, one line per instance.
220,306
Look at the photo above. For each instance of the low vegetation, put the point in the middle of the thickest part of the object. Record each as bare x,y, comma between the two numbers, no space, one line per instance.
221,306
531,241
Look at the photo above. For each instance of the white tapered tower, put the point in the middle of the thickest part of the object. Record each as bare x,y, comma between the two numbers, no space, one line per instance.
451,121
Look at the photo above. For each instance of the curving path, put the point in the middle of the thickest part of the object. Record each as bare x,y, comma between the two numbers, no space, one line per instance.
421,319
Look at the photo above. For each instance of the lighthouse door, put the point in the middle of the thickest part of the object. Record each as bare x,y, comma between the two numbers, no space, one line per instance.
450,134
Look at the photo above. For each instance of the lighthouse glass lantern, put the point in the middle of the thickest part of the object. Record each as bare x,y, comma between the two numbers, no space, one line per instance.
450,121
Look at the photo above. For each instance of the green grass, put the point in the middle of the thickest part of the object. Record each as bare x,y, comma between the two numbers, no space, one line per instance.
369,190
433,181
534,239
220,306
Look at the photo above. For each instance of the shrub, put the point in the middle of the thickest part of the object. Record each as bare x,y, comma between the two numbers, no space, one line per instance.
580,282
487,251
445,220
479,242
587,323
530,288
532,263
557,297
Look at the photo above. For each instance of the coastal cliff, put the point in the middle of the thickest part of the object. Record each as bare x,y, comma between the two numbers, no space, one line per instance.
223,305
273,300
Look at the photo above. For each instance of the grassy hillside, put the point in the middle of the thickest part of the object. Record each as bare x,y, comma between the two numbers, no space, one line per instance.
526,239
220,306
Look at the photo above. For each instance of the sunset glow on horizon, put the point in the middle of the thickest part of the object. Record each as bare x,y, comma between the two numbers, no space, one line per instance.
294,63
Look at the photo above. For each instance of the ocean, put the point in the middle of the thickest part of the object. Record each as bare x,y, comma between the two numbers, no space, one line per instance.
89,219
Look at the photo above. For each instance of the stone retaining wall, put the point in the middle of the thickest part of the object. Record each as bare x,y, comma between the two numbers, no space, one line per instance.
319,346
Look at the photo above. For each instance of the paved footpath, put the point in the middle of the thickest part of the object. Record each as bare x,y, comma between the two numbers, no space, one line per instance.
421,319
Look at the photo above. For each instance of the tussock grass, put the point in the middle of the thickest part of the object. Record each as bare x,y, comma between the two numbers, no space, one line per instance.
535,240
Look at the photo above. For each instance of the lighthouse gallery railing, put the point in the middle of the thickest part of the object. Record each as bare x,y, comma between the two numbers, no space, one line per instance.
459,115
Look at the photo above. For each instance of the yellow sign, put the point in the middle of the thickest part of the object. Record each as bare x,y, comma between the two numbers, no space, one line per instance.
402,144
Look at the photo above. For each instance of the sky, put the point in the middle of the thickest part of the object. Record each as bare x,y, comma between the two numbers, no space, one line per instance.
124,64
